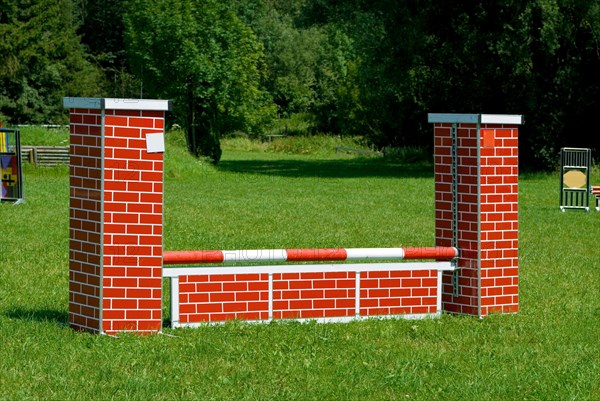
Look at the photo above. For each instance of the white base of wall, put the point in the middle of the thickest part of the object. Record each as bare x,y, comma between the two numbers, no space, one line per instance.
346,319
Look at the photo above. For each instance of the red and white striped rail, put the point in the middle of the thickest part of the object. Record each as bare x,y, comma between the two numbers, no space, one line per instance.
307,255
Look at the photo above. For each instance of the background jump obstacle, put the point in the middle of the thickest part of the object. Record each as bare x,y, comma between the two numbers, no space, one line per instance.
116,257
11,170
575,165
596,194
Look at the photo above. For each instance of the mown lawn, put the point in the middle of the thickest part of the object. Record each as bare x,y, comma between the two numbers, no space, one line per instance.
550,350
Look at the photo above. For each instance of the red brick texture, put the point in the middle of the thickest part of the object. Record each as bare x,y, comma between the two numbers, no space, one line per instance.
323,295
487,216
399,293
223,297
85,225
116,221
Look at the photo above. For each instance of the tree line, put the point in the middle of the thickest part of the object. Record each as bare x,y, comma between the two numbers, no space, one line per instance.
373,68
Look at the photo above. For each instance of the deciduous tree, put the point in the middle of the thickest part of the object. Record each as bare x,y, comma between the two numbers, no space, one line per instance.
41,61
201,55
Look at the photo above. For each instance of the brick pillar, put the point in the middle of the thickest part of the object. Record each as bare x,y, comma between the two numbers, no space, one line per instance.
116,206
486,217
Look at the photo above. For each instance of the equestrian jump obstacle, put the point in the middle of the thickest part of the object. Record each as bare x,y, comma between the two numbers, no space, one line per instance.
309,291
117,260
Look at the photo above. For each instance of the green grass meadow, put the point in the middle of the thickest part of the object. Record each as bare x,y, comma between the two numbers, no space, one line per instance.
271,196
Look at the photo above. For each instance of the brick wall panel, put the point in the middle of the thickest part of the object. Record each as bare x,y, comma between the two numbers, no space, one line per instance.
134,253
498,203
84,175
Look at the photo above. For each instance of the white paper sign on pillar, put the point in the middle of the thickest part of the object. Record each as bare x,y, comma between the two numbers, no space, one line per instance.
155,143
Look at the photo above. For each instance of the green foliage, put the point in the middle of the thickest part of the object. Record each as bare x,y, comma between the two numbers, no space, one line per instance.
534,58
408,155
205,59
102,30
296,124
290,54
564,42
356,67
42,61
395,62
306,62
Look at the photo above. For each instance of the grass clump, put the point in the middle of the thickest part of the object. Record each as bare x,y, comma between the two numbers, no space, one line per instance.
298,124
40,136
318,146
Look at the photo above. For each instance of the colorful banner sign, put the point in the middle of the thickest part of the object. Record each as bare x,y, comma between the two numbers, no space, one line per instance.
11,184
9,176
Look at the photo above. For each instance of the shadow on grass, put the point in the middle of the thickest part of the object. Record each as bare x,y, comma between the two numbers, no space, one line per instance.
39,315
352,168
54,316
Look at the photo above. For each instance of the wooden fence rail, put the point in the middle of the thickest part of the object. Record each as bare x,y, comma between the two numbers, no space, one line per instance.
45,155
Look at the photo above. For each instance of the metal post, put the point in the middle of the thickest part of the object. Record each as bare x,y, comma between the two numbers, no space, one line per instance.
454,172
